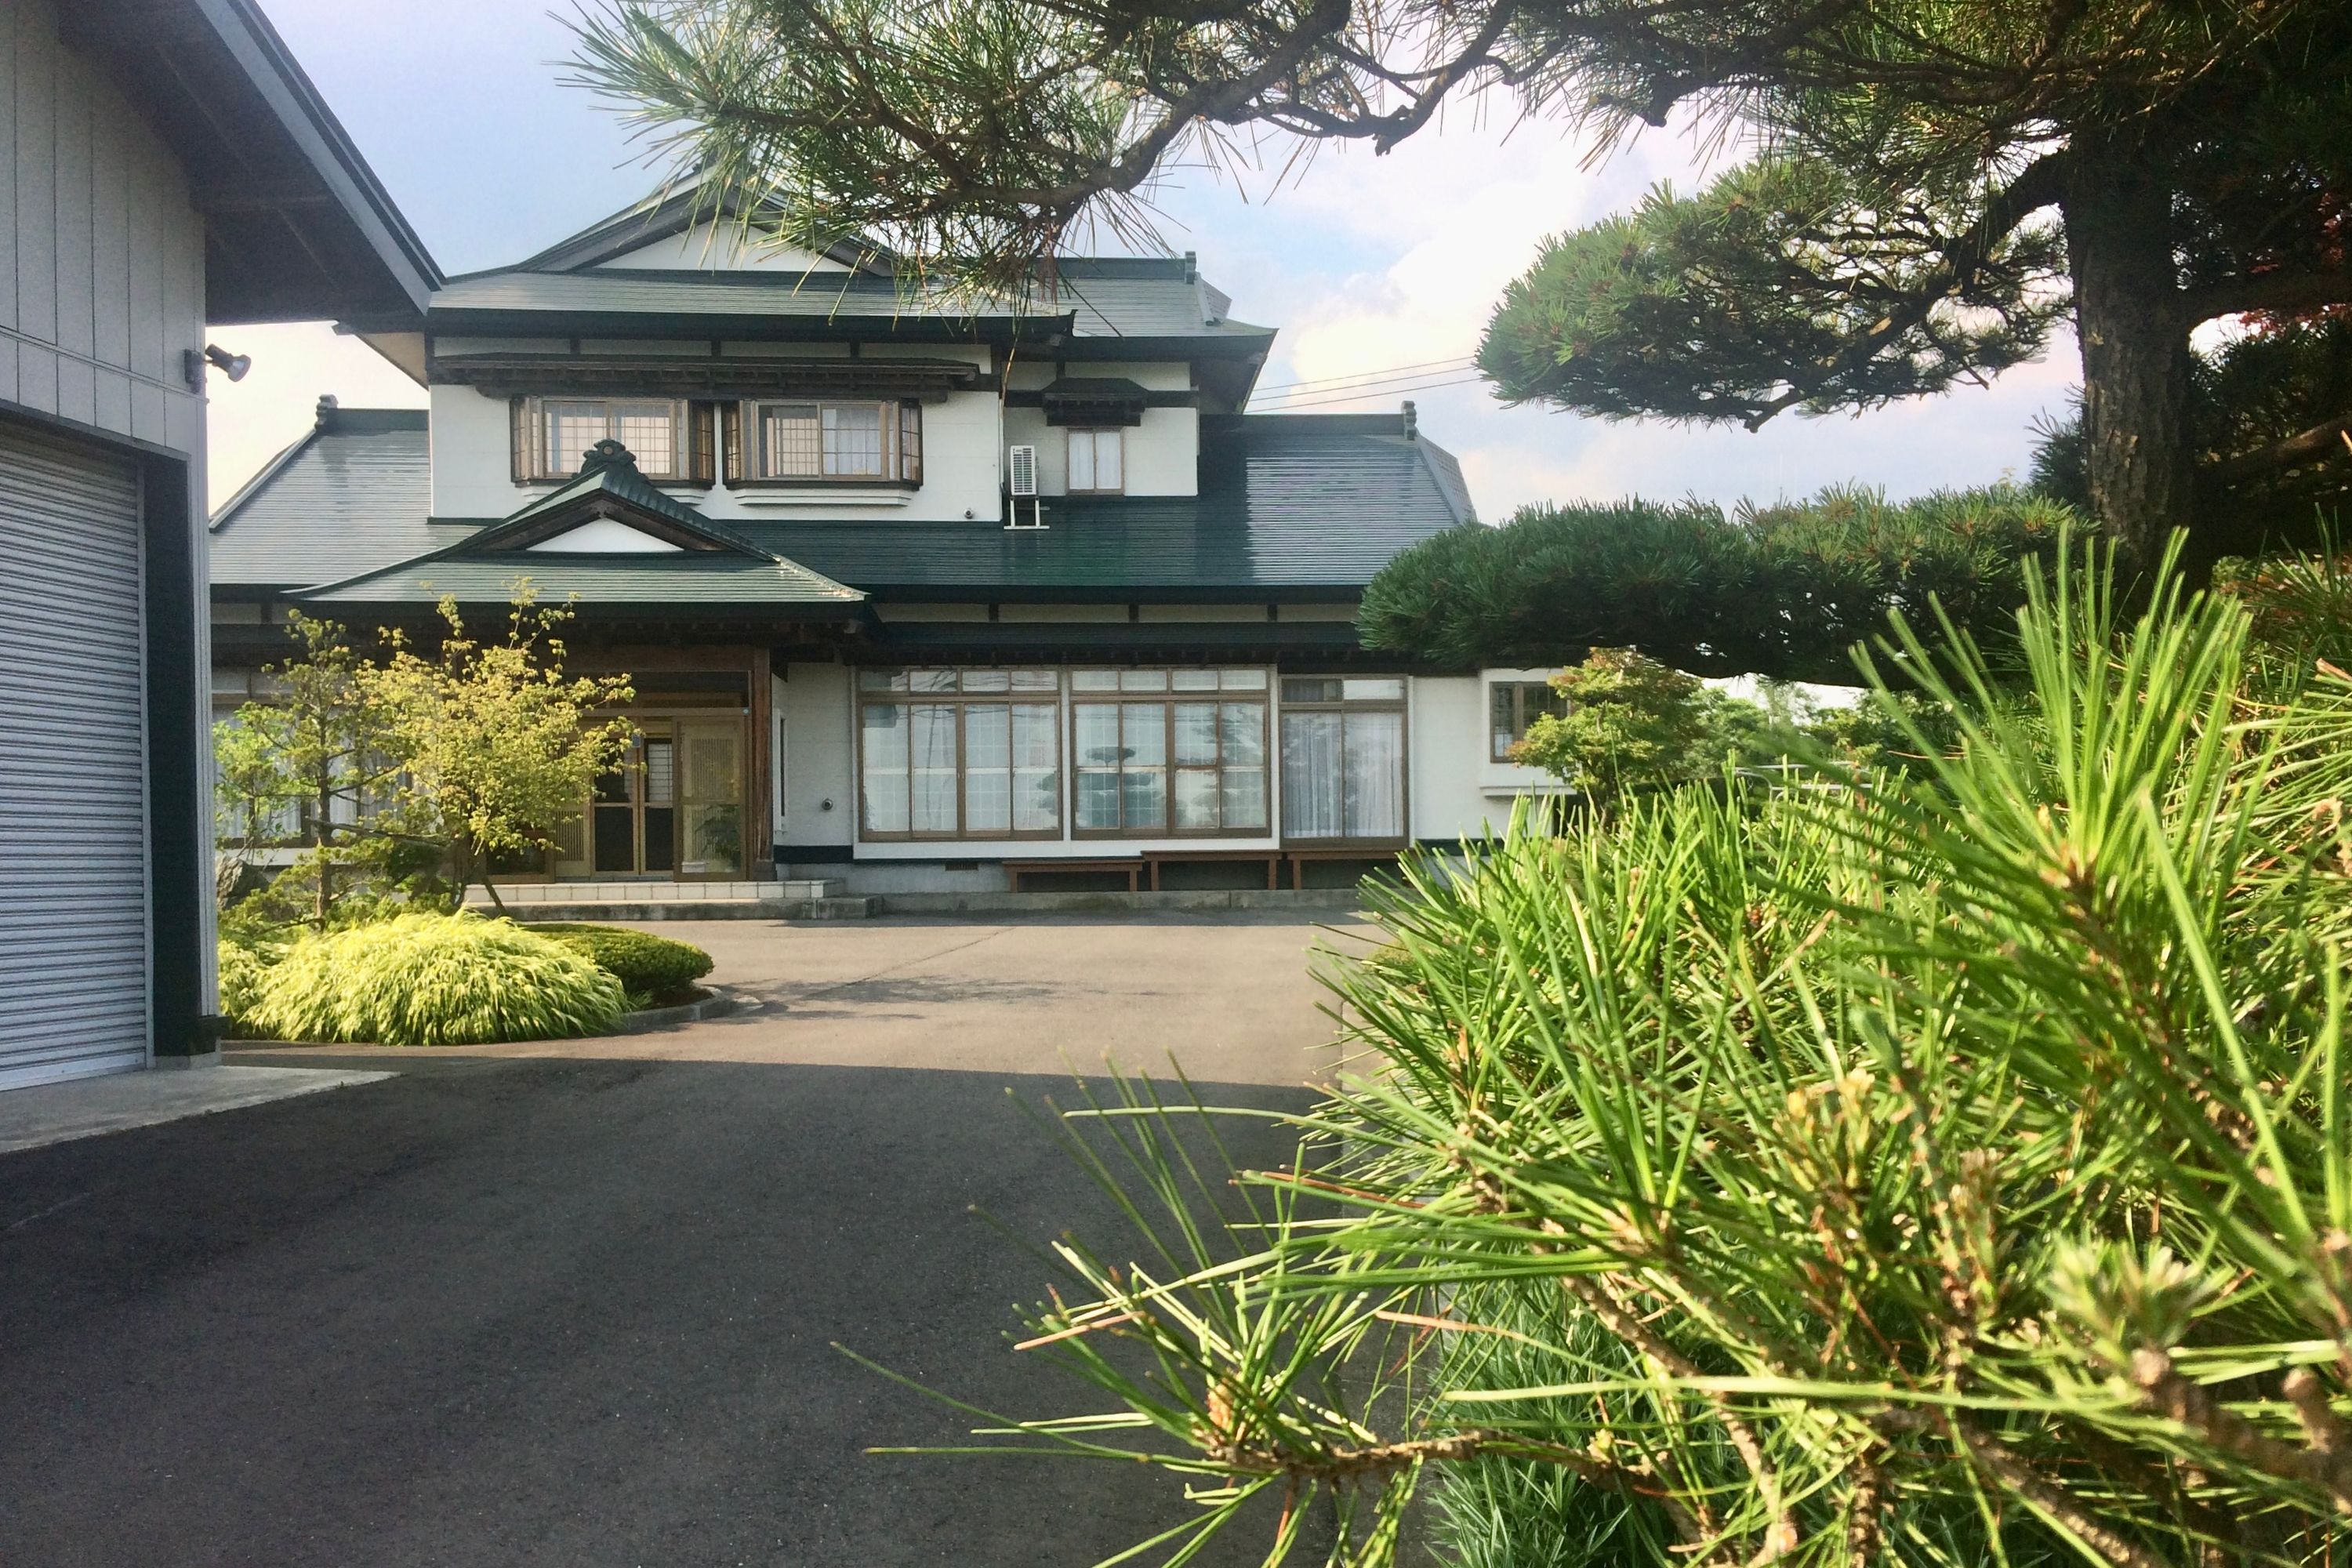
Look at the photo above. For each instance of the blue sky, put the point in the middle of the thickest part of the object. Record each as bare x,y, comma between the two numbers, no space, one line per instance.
1365,264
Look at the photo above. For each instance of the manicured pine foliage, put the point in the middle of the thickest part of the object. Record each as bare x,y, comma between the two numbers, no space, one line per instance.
436,980
1952,1168
1782,591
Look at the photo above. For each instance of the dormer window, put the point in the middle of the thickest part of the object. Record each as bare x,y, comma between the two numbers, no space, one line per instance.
810,442
668,438
1097,462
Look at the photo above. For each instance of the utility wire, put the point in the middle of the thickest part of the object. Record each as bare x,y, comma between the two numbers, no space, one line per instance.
1363,396
1391,372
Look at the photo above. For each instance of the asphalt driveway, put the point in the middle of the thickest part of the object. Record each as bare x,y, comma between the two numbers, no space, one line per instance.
576,1304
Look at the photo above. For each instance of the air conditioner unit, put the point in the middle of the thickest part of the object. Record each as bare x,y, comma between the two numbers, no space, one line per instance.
1021,483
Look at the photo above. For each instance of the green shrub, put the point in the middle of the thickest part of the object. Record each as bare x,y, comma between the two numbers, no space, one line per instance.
649,966
242,972
436,980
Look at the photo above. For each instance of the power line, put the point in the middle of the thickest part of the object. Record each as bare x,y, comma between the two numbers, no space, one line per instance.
1363,396
1391,373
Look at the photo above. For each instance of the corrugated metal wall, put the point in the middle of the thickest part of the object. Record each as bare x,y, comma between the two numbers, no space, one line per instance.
74,886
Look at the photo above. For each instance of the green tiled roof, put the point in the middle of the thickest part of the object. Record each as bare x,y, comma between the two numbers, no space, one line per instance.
686,580
356,492
1292,505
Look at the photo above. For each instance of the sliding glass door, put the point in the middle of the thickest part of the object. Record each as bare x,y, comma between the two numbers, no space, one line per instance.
1343,760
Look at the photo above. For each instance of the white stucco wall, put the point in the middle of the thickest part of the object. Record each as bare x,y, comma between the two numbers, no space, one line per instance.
1459,790
1162,454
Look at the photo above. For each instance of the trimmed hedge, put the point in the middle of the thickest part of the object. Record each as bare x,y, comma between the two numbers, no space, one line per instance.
436,980
649,965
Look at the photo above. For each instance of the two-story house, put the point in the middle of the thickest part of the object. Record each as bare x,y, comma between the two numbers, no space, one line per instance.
915,596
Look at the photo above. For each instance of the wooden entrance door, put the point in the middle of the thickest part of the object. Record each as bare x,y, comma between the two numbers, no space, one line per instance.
633,821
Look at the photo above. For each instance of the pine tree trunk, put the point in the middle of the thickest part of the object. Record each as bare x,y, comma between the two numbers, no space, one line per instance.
2135,344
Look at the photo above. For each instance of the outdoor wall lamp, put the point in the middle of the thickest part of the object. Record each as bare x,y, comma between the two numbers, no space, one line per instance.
192,364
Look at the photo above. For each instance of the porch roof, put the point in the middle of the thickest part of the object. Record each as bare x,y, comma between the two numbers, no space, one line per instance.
689,580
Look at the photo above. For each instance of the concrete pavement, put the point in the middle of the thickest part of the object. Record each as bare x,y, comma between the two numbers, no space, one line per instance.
576,1305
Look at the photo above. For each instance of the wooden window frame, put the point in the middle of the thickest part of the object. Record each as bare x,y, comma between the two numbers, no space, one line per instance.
690,443
902,444
1168,700
1520,717
1095,432
1400,705
961,701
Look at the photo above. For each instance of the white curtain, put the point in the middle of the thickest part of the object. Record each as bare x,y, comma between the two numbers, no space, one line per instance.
931,767
1313,784
884,767
1375,745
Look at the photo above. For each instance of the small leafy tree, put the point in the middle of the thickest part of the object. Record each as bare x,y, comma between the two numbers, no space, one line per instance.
321,756
496,740
1630,722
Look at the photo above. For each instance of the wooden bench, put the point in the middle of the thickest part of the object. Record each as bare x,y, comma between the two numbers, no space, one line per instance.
1131,866
1155,858
1366,852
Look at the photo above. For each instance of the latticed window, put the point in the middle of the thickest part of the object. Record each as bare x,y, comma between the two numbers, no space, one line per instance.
553,435
818,441
960,753
1168,751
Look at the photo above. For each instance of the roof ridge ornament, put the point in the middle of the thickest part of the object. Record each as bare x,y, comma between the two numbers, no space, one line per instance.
605,455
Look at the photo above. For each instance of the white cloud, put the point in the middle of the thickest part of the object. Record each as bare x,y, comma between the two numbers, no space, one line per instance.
251,421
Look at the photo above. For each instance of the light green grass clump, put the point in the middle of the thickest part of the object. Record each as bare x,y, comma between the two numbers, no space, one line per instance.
436,980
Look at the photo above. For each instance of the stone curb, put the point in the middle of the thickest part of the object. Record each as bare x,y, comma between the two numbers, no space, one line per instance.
718,1005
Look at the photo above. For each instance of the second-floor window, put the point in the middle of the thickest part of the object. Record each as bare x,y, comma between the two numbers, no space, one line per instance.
1097,462
878,442
553,433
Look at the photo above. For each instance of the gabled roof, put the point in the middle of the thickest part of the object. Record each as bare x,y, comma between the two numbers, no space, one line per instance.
667,213
297,226
609,486
355,492
705,566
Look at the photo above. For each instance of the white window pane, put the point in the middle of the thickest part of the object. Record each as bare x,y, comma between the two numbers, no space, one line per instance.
853,440
987,736
1036,735
932,680
931,767
1143,680
649,430
1375,746
1196,680
1244,800
1109,460
1094,680
1312,782
988,680
1035,680
1098,805
572,430
1082,460
1098,734
1377,690
1196,733
1242,680
1143,733
1242,727
1036,800
987,801
788,443
885,767
661,773
1196,798
1143,799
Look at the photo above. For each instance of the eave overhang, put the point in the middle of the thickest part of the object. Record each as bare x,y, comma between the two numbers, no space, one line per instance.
297,226
505,375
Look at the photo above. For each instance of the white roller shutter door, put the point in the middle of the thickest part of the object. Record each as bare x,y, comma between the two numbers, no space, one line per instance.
74,913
